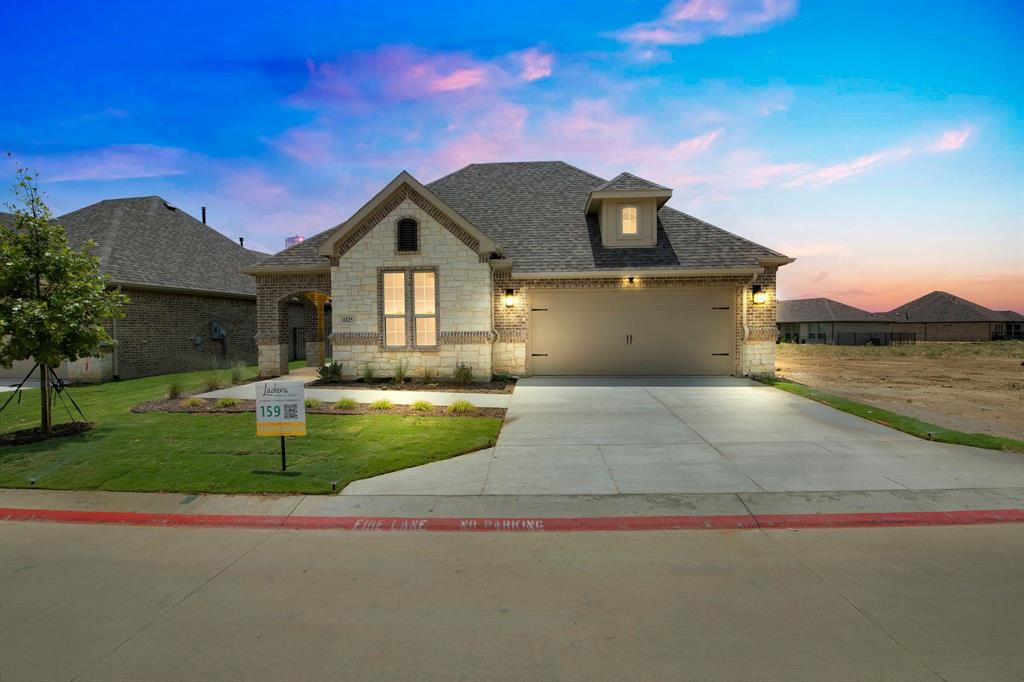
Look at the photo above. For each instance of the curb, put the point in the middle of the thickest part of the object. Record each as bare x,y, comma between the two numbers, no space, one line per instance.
546,524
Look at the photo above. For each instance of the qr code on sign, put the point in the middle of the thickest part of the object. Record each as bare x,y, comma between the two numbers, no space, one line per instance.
291,411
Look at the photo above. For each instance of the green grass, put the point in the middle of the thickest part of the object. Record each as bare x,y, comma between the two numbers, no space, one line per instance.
220,453
914,427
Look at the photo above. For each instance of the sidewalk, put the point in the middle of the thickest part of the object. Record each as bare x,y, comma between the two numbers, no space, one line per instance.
511,512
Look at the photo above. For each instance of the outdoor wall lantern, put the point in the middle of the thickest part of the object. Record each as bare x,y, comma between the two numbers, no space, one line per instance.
510,299
759,295
630,279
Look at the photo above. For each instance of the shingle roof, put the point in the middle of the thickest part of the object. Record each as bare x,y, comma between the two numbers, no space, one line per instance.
149,242
628,181
940,306
536,212
824,310
1010,315
300,256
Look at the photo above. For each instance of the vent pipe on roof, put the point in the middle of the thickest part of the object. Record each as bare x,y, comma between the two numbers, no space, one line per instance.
241,241
204,215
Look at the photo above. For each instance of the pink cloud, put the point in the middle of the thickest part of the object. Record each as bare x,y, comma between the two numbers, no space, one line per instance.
534,64
688,22
695,145
253,186
459,79
116,162
842,171
308,146
951,140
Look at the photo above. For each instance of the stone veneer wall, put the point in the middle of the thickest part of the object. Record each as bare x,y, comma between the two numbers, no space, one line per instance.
464,286
754,349
156,334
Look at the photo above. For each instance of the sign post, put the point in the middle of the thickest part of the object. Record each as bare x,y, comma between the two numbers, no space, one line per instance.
280,411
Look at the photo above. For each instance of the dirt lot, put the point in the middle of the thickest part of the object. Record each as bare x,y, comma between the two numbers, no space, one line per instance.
972,387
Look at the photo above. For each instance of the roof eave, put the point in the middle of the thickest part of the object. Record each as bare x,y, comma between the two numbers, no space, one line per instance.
775,261
597,196
179,290
287,270
639,272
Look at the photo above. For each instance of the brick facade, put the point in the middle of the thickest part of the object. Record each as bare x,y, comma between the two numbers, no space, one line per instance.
947,331
273,294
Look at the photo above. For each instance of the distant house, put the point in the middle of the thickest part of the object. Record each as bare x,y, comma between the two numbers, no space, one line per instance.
940,316
822,320
190,306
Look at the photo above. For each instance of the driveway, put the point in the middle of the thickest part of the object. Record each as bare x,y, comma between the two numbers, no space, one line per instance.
579,436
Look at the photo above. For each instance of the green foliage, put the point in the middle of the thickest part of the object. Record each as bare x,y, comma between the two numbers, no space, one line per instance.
382,405
330,372
462,407
237,373
54,300
213,380
399,371
227,402
193,402
346,404
174,390
423,406
428,375
369,373
312,403
463,374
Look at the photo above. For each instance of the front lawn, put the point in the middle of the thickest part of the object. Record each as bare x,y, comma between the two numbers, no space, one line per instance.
219,453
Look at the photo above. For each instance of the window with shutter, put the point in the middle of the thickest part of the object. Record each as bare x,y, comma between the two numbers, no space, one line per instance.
408,237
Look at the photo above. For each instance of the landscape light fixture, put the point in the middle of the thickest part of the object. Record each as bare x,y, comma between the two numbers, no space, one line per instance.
510,299
759,295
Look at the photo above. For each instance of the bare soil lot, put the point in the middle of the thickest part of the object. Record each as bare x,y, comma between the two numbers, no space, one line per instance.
971,387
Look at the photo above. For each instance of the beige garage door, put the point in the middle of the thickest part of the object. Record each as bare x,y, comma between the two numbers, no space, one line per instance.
623,332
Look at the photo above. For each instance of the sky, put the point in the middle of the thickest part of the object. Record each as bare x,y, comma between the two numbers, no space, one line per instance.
881,143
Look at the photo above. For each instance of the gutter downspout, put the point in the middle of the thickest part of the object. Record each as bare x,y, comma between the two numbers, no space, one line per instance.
746,327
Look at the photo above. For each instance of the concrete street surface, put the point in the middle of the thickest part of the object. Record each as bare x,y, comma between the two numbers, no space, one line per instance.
88,602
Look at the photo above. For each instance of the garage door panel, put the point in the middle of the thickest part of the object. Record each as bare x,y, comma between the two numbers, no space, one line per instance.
632,332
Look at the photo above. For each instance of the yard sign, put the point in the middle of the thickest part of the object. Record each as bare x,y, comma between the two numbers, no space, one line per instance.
280,408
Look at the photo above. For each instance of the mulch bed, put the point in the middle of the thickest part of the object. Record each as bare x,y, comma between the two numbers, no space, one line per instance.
210,407
36,435
410,385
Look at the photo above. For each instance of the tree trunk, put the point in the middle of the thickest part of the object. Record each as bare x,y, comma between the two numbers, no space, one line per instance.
46,419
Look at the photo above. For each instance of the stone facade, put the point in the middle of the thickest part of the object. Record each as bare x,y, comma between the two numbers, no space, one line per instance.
463,293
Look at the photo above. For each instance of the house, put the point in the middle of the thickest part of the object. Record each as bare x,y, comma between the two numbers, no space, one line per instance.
940,316
190,306
525,268
822,320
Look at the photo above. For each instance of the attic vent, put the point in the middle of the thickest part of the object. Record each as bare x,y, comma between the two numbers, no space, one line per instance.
408,239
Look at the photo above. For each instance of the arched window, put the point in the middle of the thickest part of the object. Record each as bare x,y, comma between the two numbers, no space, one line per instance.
408,236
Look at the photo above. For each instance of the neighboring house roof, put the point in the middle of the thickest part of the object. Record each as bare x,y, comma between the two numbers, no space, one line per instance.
824,310
145,241
940,306
6,219
628,181
1010,315
535,214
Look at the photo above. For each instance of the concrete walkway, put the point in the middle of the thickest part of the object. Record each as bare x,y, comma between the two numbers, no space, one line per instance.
364,395
692,436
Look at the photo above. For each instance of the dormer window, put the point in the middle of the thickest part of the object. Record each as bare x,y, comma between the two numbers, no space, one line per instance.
629,221
408,238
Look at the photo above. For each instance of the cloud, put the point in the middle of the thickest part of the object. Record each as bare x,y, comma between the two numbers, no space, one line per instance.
952,140
689,22
116,162
253,186
842,171
534,64
309,146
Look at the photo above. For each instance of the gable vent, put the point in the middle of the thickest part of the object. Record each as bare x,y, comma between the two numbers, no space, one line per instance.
408,239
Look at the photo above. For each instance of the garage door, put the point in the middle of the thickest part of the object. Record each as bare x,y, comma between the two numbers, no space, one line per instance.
623,332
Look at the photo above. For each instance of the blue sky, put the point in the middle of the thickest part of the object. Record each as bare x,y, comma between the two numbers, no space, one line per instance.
880,143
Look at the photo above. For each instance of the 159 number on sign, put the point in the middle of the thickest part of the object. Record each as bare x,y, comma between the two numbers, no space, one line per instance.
270,410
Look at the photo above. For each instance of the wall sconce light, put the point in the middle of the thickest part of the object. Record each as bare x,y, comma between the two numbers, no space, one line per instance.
759,295
510,299
630,279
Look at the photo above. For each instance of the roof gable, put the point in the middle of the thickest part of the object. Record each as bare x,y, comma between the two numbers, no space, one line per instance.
146,241
628,182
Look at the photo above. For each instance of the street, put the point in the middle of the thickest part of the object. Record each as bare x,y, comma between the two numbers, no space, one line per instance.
101,602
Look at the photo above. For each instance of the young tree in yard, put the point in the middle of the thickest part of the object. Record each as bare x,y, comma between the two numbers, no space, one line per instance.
53,299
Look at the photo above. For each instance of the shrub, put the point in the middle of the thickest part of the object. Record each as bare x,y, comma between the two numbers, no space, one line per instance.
193,402
330,372
346,404
463,374
427,375
369,373
422,406
213,380
506,378
312,403
174,390
461,407
227,402
400,371
238,373
382,405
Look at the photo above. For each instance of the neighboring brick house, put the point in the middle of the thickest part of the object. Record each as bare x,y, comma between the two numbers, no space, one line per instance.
940,316
822,320
527,268
190,306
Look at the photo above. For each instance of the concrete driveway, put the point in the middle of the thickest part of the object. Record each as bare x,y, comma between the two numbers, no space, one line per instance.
578,436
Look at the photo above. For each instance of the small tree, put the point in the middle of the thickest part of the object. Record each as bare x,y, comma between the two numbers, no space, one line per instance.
53,299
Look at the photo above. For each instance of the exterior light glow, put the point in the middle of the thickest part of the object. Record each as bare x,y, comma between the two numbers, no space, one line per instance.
510,299
631,279
759,295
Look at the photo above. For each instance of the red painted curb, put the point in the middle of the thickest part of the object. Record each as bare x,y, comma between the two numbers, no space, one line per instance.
550,524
